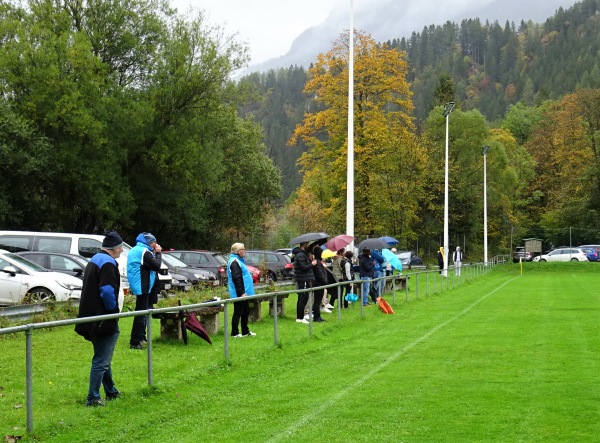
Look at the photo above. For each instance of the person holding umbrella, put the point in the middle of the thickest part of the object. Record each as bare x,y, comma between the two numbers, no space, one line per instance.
305,277
320,274
367,270
240,284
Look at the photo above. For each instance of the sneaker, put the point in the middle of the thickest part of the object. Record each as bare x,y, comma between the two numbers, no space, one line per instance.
302,320
366,304
319,320
329,306
113,396
325,310
238,336
139,346
307,317
250,334
94,403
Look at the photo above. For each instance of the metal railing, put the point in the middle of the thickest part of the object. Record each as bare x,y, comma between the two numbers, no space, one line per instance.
469,272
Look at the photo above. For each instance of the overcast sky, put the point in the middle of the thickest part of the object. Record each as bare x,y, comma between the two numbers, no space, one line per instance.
269,26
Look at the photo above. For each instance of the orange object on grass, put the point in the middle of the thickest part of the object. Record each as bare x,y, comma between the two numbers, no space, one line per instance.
384,306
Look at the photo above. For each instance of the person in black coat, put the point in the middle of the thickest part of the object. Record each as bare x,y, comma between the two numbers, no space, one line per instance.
320,280
305,277
367,270
100,296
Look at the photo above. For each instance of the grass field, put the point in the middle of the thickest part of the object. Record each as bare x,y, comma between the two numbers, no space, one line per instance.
502,357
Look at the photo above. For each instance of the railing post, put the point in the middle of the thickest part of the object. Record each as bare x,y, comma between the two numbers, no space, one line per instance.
416,283
226,330
149,337
275,322
29,378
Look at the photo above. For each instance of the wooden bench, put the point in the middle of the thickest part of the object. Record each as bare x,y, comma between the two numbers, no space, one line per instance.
400,280
170,322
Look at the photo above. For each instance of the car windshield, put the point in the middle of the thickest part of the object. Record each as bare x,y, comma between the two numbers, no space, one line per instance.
221,259
174,261
26,264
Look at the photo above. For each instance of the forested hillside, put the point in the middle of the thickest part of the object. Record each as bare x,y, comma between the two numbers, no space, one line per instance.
531,92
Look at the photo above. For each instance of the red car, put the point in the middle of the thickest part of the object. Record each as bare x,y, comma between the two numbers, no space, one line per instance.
255,273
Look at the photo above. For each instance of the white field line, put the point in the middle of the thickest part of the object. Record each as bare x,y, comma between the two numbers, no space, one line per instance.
317,411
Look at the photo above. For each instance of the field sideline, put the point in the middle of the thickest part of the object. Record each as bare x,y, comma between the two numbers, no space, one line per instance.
504,357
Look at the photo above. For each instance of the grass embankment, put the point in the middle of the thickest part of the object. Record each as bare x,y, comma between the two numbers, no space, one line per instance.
503,357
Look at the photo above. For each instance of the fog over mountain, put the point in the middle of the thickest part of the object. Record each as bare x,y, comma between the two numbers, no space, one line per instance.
389,19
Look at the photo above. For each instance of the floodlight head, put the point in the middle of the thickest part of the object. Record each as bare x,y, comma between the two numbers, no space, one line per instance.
448,108
485,149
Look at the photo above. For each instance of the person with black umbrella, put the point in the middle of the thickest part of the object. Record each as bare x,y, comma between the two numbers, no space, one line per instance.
367,271
320,280
305,277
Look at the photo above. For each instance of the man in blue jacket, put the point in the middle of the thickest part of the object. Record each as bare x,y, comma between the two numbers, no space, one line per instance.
143,263
240,285
100,296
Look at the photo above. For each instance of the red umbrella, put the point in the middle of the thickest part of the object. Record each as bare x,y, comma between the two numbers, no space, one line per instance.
338,242
193,324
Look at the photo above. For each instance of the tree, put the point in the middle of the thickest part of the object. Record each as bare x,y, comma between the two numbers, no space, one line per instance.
383,135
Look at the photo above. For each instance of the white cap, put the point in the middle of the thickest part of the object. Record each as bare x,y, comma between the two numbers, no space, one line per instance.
393,249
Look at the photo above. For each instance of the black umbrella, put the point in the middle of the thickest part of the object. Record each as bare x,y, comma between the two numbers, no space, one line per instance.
372,243
193,324
318,237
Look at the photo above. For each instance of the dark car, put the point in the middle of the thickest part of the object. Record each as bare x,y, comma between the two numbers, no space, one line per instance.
521,255
70,264
275,265
409,258
591,255
197,276
210,261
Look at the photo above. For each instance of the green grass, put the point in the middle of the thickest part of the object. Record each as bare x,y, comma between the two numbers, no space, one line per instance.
500,357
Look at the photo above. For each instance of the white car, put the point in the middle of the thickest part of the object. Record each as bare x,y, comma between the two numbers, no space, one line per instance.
565,254
24,281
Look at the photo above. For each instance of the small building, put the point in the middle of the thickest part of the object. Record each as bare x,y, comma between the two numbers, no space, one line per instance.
533,245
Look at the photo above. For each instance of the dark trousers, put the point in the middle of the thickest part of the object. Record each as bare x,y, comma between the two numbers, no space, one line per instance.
241,311
101,372
138,330
317,299
302,298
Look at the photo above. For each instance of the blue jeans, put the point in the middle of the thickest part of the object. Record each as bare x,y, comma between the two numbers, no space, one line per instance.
379,285
101,372
366,286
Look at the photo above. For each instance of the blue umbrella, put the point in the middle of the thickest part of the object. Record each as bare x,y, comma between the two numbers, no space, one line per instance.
392,259
389,240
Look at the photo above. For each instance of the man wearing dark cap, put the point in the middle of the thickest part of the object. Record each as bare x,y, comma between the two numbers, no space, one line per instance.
143,264
100,296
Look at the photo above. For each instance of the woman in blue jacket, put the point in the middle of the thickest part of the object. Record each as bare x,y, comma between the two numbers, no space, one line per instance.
240,285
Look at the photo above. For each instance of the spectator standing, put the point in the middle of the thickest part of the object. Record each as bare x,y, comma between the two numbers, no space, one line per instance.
100,296
320,274
440,258
240,285
305,277
347,275
336,269
367,270
143,264
457,259
378,272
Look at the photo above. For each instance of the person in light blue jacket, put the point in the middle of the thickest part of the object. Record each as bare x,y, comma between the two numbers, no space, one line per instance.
143,264
240,285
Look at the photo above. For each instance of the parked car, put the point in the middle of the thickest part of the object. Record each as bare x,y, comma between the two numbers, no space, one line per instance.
286,251
592,253
180,282
565,254
409,258
521,255
275,265
85,245
69,264
596,248
255,272
22,280
197,276
214,262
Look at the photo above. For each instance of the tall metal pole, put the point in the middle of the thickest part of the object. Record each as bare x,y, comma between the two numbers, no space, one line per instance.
350,172
484,152
447,110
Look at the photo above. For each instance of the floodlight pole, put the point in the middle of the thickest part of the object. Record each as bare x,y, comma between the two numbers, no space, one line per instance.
484,152
350,172
448,108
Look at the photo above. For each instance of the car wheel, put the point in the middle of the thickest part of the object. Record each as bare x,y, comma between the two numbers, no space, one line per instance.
542,259
271,277
574,259
39,295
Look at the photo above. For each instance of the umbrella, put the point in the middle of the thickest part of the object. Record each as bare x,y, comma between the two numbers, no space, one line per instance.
182,325
392,259
389,240
327,254
193,324
319,237
372,243
338,242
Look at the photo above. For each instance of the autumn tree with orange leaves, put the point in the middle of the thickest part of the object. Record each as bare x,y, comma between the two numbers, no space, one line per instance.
388,158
